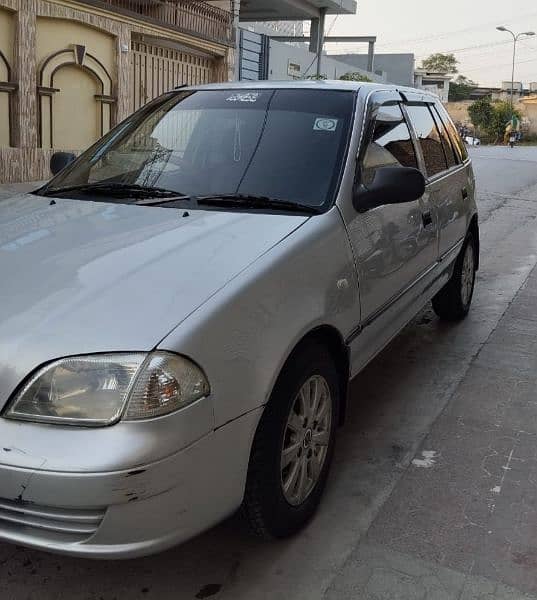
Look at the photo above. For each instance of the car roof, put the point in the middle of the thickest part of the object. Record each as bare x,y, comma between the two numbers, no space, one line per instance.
332,85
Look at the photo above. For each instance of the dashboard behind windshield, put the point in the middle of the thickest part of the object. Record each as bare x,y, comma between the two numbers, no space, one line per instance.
288,144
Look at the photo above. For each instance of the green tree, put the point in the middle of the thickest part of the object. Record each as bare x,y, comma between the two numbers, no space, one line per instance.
461,88
481,114
440,63
355,77
491,118
502,116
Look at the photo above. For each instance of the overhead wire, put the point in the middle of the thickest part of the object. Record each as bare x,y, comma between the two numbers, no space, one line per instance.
315,58
450,33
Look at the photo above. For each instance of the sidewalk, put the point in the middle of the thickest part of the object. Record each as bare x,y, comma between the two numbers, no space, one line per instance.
11,189
462,522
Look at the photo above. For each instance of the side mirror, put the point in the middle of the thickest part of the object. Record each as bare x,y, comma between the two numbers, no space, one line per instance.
392,185
60,160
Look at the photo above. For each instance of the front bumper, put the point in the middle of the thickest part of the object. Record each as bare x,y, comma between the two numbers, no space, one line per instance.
131,512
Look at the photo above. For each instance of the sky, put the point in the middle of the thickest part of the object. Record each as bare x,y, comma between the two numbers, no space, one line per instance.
465,27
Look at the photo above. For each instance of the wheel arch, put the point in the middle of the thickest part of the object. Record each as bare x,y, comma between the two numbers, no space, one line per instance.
474,230
330,338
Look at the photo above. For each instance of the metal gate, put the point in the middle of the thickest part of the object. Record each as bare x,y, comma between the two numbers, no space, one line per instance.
157,69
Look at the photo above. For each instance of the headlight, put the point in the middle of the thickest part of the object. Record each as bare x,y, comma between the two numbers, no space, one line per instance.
94,390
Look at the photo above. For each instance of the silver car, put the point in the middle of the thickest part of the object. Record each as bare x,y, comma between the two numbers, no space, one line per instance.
183,306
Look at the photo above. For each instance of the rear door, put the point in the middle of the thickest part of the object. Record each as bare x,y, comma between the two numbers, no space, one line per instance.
453,210
446,180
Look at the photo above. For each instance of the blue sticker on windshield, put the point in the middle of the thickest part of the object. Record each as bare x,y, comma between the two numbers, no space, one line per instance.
324,124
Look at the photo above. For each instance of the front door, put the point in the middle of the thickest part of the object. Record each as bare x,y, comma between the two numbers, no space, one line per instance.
394,245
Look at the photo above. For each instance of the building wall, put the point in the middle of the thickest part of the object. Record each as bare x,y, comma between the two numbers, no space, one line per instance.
6,58
397,68
528,108
442,91
281,54
75,100
276,27
6,33
72,70
459,111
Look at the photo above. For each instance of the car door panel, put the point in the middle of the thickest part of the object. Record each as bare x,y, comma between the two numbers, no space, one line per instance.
392,248
395,246
450,204
392,245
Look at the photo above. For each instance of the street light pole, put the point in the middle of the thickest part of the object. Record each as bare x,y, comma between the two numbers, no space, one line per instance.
516,37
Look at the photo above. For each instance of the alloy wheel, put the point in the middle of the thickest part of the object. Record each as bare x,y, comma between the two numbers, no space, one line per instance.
306,440
467,275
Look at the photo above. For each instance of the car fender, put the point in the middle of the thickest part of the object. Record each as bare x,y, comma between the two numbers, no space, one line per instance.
243,335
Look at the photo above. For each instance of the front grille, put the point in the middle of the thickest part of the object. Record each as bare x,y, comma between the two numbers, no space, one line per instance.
54,524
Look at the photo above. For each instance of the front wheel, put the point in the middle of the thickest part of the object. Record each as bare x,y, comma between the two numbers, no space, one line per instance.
293,446
453,301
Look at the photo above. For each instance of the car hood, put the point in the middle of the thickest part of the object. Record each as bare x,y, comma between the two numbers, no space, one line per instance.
80,277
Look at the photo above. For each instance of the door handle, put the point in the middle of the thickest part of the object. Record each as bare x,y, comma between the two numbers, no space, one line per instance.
427,219
465,193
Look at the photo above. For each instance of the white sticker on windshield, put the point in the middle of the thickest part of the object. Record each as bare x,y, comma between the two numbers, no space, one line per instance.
324,124
244,97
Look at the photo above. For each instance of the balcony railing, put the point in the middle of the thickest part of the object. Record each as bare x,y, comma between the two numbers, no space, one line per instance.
190,16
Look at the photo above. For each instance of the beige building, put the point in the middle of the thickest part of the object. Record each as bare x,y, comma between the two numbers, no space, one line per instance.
437,83
529,105
72,69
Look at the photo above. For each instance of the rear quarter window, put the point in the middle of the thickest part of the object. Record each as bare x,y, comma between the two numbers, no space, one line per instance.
451,156
458,145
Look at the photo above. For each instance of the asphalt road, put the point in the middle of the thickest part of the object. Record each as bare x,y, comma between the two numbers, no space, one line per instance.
433,493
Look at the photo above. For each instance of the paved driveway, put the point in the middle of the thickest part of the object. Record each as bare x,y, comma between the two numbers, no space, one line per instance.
10,189
433,492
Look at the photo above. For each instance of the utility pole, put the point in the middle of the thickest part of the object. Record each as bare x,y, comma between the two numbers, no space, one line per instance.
318,31
516,37
235,11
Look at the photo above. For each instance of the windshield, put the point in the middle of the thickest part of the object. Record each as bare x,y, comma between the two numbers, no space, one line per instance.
280,144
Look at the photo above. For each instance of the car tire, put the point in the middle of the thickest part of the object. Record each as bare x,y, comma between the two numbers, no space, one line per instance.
277,500
453,301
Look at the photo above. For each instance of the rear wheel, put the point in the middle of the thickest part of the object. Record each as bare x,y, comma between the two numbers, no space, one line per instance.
293,446
453,301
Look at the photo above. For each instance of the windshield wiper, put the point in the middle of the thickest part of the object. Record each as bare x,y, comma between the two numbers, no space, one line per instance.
119,190
253,201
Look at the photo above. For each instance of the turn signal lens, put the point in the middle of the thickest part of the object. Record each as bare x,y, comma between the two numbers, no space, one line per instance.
167,383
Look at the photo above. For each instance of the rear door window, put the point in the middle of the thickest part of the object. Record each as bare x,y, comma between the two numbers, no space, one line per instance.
451,157
429,139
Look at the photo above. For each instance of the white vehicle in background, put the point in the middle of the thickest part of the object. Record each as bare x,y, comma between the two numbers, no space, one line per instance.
472,141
